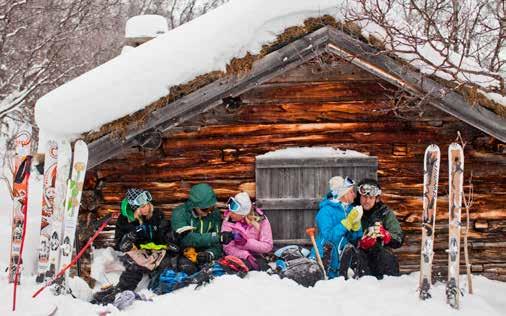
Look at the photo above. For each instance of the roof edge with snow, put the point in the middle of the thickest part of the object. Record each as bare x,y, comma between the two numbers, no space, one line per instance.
328,39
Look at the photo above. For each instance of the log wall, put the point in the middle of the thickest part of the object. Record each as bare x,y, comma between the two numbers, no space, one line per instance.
323,103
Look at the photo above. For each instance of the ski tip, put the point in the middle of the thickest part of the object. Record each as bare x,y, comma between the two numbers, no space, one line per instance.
455,146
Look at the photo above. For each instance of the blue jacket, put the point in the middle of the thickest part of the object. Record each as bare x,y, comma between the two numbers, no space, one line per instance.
330,231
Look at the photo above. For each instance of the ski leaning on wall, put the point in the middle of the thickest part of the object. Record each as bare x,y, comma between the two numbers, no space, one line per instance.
455,193
431,164
72,202
22,161
48,199
56,219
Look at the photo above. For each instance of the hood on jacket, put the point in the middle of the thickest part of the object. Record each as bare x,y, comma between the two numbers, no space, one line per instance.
202,196
127,211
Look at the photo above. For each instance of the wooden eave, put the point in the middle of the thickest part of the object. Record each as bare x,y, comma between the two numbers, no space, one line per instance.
287,58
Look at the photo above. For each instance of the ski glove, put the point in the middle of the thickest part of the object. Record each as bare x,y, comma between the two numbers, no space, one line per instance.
253,262
367,242
352,221
127,242
239,239
226,237
384,234
205,257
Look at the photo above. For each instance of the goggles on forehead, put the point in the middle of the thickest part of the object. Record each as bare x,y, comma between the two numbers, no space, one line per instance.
142,199
233,205
348,182
369,190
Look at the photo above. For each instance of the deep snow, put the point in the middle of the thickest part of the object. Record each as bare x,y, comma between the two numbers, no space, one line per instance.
260,294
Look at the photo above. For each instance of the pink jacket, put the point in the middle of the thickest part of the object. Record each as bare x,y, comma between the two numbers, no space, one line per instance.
258,242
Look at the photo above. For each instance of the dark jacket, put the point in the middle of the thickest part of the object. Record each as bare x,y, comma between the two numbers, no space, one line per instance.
155,229
205,232
382,213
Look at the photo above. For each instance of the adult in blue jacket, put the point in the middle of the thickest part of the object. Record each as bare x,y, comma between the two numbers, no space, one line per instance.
337,225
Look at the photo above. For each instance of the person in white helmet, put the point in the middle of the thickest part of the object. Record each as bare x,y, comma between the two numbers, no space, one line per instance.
338,227
251,229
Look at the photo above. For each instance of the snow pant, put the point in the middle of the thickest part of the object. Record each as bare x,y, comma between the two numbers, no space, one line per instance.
134,272
380,261
262,263
353,258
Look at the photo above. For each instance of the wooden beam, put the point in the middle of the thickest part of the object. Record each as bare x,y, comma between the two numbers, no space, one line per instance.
210,96
386,68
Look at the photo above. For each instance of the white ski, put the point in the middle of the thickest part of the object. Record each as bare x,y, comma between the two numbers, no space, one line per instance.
73,201
56,220
455,193
20,194
48,199
430,183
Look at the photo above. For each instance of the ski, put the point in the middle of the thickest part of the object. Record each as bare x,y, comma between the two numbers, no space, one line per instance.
431,163
20,194
48,199
103,224
455,193
56,219
73,201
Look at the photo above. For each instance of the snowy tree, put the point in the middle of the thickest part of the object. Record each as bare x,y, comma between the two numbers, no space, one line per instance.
45,43
463,41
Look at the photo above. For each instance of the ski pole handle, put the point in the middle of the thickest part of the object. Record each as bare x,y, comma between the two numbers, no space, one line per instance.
310,231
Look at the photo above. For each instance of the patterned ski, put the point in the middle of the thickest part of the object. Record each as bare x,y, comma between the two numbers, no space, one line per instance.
73,201
48,199
431,163
455,193
20,194
56,219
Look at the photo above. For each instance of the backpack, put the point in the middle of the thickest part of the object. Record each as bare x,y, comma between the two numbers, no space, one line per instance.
293,264
233,265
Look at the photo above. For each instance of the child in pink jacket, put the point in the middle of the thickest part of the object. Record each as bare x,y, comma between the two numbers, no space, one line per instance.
251,229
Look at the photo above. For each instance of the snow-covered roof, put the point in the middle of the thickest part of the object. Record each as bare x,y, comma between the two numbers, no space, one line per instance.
132,81
310,152
148,25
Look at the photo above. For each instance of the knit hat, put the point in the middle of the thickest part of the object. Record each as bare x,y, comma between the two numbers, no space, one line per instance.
339,186
244,202
202,196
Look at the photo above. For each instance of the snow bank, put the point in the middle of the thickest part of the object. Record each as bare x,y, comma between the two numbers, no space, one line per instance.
261,294
148,25
310,152
132,81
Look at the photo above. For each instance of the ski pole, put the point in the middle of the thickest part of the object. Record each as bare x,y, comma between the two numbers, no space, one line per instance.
76,258
310,231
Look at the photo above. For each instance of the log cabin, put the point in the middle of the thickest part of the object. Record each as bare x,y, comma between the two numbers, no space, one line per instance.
316,86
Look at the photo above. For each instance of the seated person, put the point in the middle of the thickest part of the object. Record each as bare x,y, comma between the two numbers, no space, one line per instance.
382,231
197,224
252,232
338,227
144,236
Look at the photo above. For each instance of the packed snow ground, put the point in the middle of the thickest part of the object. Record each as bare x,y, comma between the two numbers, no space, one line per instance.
261,294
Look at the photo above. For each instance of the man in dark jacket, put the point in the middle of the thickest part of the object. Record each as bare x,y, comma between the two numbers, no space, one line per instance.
197,224
382,231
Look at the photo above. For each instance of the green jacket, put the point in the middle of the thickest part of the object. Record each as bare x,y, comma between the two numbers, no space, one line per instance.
381,213
204,233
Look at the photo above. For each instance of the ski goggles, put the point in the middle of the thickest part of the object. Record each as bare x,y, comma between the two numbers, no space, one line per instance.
348,182
369,190
142,199
233,205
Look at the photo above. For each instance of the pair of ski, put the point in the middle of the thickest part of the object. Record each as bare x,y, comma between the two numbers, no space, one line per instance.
64,174
432,160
